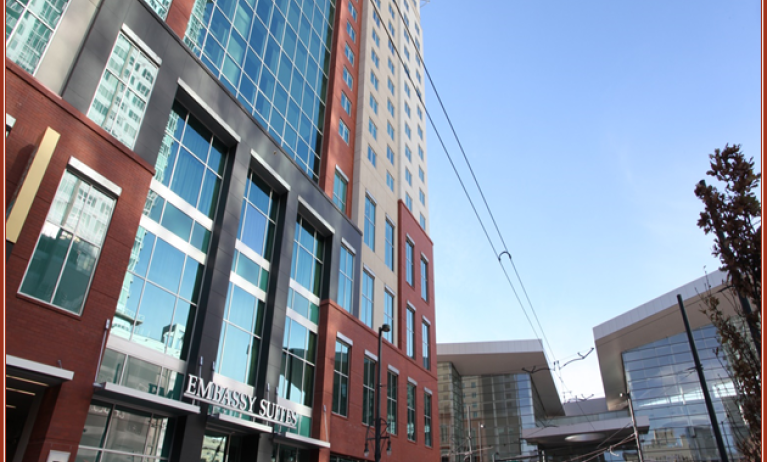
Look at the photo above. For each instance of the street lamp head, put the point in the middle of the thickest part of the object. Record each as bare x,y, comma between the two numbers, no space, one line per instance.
385,328
367,451
388,448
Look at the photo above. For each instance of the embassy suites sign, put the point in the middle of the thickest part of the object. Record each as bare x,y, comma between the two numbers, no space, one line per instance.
263,409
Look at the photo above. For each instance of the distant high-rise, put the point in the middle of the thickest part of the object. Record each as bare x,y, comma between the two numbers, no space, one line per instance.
212,207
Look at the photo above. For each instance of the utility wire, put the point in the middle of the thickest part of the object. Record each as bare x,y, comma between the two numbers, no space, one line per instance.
471,170
444,147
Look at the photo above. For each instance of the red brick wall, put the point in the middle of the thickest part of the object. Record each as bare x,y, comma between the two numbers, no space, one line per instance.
178,16
335,151
408,226
347,434
34,330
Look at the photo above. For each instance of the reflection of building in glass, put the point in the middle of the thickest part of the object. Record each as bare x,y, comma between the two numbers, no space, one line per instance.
490,406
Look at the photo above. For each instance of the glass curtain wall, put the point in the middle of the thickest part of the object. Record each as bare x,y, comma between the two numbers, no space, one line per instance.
664,386
274,56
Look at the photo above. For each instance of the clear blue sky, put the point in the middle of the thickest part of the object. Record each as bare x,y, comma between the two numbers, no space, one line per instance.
588,124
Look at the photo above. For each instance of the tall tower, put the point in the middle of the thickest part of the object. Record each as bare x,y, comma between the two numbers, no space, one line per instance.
205,232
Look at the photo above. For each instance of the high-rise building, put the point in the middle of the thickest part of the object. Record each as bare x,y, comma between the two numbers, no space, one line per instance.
213,208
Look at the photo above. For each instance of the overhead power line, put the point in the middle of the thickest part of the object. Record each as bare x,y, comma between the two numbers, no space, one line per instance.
463,186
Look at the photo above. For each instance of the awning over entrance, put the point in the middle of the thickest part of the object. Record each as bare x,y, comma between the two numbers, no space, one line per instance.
134,397
301,441
607,431
238,425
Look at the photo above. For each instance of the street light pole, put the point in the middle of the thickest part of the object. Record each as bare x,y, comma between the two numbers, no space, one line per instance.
634,423
479,439
377,412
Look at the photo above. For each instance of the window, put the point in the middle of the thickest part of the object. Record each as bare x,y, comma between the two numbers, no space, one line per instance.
421,174
349,54
420,132
346,279
405,18
389,257
376,18
407,53
408,177
422,221
409,269
390,84
391,27
339,191
418,59
407,131
390,154
123,92
407,69
297,370
417,44
426,352
157,305
343,130
424,279
407,90
306,267
407,109
408,202
350,30
391,66
374,57
352,11
390,181
346,103
29,27
372,157
422,197
390,130
373,104
391,401
410,333
65,257
376,39
391,47
370,223
341,380
368,391
407,37
368,295
410,411
374,80
128,431
408,153
420,152
389,315
419,112
427,419
390,107
241,333
348,78
391,10
372,129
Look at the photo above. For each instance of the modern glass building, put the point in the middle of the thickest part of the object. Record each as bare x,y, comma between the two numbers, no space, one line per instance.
199,256
495,405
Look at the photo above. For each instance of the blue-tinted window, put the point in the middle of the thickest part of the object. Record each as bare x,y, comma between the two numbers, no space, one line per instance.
368,295
372,157
370,223
373,104
389,257
390,154
346,279
390,181
343,130
274,60
340,185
